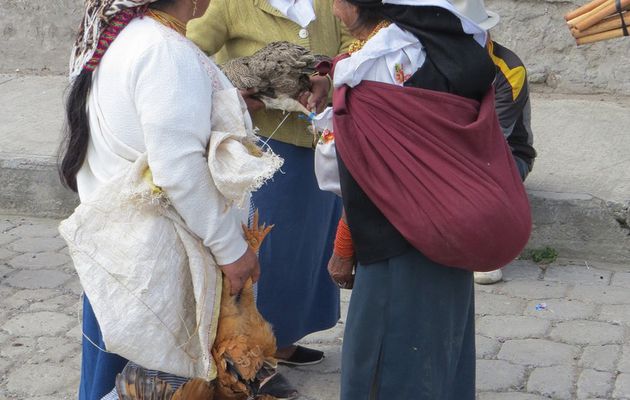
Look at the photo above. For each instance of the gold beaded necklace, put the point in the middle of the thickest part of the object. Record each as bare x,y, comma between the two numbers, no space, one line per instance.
359,43
167,20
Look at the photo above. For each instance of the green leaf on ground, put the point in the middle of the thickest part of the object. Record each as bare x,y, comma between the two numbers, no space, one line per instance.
545,255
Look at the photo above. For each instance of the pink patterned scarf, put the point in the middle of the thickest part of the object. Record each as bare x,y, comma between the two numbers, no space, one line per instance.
102,22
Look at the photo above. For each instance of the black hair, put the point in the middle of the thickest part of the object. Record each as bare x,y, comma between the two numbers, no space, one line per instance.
369,14
74,145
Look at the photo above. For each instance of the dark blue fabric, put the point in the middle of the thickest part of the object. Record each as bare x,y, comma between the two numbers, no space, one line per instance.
410,332
295,292
98,368
523,168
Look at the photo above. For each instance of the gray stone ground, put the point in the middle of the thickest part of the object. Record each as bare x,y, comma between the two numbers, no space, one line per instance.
576,345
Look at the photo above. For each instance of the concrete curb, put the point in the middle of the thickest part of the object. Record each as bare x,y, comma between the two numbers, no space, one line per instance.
576,225
582,226
31,186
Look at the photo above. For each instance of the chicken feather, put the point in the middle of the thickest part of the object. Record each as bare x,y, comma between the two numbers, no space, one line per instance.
280,72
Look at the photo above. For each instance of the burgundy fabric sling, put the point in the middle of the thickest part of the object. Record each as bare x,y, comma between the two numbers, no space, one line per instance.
438,168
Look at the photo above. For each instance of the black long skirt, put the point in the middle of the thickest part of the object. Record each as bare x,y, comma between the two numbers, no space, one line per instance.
410,332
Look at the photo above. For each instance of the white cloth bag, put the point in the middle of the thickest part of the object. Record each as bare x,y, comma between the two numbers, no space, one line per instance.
154,287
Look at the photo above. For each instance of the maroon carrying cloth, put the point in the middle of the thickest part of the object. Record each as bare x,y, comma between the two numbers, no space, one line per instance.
439,169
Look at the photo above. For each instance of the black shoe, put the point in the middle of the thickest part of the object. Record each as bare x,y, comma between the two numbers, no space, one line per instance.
278,387
303,356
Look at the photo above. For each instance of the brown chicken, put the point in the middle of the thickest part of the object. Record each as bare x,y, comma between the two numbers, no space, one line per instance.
245,344
243,351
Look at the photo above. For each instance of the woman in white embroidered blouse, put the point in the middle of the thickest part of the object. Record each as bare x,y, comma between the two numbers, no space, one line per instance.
139,86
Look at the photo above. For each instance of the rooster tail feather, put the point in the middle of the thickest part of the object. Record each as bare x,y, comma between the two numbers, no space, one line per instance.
134,384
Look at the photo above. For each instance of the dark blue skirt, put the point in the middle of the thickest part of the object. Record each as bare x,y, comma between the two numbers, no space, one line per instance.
98,368
410,332
295,292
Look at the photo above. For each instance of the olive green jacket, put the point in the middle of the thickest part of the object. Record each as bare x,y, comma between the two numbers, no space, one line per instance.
237,28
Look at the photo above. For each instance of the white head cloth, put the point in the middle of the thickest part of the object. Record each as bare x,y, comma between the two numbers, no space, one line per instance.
472,10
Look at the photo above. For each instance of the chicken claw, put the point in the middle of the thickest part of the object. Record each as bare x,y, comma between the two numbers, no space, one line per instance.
255,234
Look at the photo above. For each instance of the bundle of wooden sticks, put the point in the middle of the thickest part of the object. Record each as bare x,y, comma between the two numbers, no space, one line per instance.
599,20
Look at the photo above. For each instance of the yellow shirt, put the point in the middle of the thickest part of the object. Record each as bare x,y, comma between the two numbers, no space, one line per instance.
237,28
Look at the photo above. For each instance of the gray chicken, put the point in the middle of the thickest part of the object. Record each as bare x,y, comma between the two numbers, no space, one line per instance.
279,72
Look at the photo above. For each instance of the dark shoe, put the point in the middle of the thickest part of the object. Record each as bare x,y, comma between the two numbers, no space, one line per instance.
303,356
278,387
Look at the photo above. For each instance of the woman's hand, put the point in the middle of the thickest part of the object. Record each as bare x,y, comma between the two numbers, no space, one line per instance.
341,271
240,270
318,96
253,104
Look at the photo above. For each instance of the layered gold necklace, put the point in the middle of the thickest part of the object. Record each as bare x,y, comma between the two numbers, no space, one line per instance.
359,43
167,20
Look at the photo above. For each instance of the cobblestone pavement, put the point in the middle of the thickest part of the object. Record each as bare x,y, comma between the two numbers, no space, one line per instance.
561,332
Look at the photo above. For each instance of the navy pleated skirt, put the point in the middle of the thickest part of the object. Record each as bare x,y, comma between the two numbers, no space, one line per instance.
295,292
98,368
410,332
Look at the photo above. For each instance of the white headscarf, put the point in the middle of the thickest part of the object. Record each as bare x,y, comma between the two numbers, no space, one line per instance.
471,10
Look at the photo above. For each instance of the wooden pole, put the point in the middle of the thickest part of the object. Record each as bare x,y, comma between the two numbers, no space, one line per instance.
584,9
598,37
587,14
595,18
608,24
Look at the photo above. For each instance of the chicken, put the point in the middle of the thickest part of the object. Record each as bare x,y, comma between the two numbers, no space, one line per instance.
279,72
245,345
243,351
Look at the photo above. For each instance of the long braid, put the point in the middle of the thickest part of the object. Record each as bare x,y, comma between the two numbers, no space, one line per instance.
74,146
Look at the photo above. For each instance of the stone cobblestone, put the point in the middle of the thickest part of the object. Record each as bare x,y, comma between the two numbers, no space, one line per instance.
496,304
597,294
600,358
510,396
522,270
587,332
556,382
534,289
6,254
624,362
578,275
615,313
592,384
497,375
39,260
538,352
512,326
622,387
576,346
37,245
621,279
560,309
487,347
37,279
